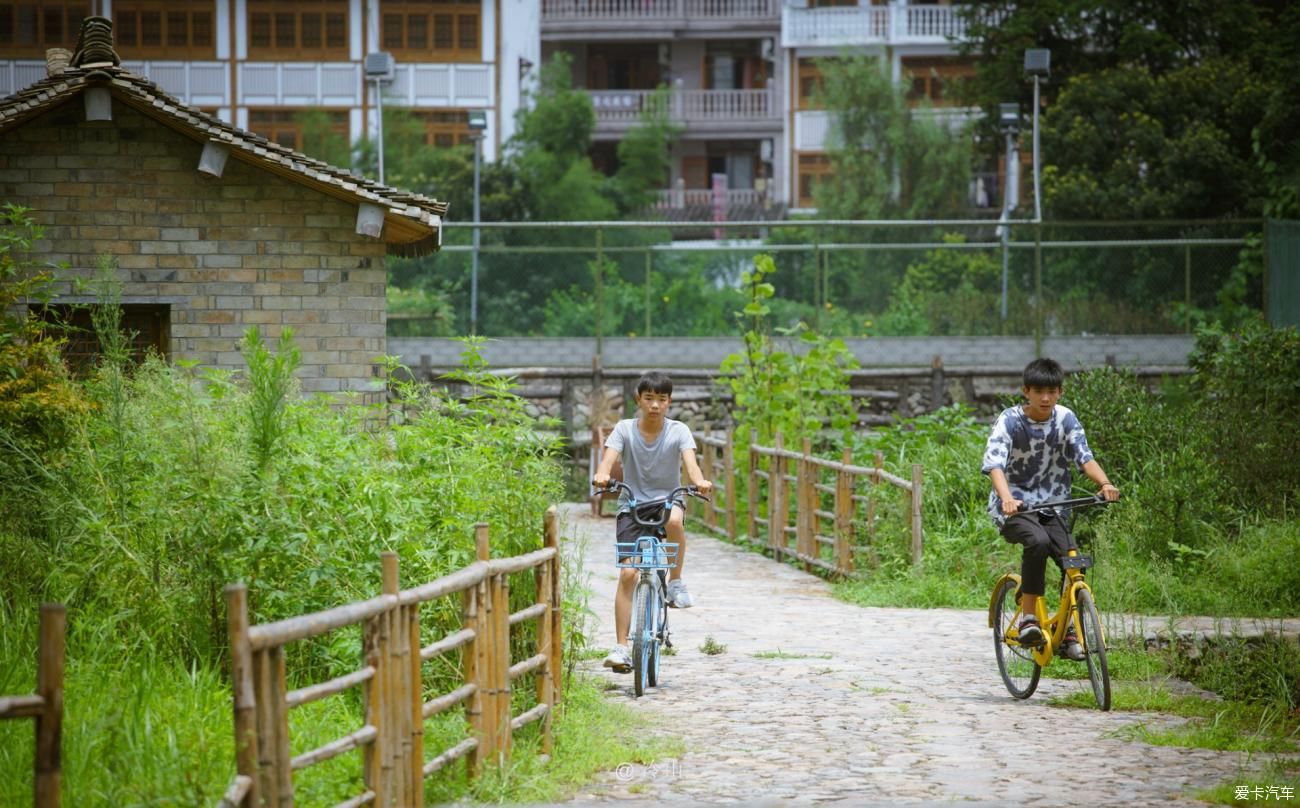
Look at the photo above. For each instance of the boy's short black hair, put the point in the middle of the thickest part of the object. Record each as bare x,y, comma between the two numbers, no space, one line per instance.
655,382
1044,372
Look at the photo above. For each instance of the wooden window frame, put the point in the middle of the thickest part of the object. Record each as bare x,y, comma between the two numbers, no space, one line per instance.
294,19
274,122
928,76
809,167
148,323
397,28
14,44
445,123
128,27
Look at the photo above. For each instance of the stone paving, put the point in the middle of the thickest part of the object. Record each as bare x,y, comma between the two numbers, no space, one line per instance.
862,706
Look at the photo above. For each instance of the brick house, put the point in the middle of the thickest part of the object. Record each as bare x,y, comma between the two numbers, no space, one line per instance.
214,229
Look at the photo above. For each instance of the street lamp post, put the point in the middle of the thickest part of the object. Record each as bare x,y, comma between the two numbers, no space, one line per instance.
478,128
1038,64
380,68
1009,124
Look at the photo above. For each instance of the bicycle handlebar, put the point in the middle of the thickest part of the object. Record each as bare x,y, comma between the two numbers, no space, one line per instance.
1079,502
619,485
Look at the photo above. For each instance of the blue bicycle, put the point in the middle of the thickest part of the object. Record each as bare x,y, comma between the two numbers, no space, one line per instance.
653,555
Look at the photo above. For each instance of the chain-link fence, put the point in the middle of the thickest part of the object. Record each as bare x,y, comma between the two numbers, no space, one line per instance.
932,278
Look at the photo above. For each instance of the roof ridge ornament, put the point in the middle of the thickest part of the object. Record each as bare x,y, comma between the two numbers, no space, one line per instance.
95,44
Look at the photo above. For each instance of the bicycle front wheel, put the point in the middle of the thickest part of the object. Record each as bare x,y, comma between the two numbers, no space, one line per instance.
1015,662
1094,647
643,636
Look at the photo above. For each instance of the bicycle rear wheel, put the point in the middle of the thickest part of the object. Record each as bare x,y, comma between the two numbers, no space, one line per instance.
1015,662
1094,646
644,653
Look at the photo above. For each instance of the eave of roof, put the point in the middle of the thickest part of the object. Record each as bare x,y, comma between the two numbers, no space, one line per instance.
412,222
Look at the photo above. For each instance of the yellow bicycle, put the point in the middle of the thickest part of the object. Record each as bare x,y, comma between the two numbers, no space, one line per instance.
1021,665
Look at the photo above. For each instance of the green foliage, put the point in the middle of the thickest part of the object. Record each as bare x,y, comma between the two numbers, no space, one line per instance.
952,291
418,312
271,383
887,161
796,393
644,162
1250,385
1148,103
38,401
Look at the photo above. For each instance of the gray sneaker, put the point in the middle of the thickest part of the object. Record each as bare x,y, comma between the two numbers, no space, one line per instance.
619,659
677,596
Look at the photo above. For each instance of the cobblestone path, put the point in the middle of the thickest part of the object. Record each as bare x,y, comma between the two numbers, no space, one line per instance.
864,706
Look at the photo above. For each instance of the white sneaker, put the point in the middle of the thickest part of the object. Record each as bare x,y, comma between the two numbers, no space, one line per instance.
678,597
619,659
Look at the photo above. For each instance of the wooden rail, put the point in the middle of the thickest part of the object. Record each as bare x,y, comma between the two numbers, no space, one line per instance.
392,737
817,494
46,706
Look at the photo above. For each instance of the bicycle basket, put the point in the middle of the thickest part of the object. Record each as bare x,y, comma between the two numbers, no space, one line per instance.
645,554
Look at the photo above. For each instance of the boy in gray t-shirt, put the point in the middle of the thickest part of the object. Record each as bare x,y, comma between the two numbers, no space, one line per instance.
653,449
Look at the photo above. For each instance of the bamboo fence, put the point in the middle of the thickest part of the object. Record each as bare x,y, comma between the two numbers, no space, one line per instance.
775,495
45,706
392,738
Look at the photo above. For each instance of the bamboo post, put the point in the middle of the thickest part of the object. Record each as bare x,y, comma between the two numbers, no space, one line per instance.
710,518
415,760
551,538
241,680
873,556
916,515
501,651
473,660
753,495
805,491
376,703
485,650
397,696
266,742
279,708
729,480
49,723
775,494
844,514
542,579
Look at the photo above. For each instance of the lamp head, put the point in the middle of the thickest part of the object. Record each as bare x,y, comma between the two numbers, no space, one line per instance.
1038,62
1009,118
477,120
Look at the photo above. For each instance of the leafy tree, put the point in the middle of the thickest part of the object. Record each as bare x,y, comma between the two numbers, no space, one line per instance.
888,160
1142,59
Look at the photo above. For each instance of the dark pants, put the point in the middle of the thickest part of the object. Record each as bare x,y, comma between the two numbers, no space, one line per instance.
1042,535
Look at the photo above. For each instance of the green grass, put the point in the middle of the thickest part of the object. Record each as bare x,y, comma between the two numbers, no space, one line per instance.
1219,725
1277,774
712,647
779,654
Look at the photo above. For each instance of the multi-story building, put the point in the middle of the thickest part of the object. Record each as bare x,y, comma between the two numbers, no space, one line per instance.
257,63
742,75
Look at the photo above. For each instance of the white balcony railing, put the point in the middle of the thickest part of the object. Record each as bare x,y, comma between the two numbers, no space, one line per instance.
593,10
870,25
685,106
703,197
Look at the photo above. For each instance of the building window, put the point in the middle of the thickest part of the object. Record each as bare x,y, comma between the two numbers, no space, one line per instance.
813,168
444,128
148,326
27,29
932,78
295,30
811,83
165,29
431,31
299,130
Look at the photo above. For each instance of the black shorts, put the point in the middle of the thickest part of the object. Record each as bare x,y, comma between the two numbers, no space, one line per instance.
626,529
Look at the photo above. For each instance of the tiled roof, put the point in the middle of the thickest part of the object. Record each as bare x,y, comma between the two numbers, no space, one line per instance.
412,222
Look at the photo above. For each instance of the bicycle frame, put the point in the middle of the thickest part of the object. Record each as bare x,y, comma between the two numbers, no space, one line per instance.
1073,564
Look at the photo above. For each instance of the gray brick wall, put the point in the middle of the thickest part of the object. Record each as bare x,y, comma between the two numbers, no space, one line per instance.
708,352
249,248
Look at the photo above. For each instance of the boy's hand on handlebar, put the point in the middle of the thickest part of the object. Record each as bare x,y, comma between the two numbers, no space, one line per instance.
1011,507
1109,492
600,481
705,487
